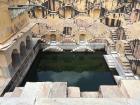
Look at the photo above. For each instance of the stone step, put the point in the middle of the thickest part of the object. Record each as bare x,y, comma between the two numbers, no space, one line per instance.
32,89
45,89
73,92
127,67
89,94
114,35
114,38
128,53
128,50
8,94
125,63
127,47
17,91
58,90
86,101
107,91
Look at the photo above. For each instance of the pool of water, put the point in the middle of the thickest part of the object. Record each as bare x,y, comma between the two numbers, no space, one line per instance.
86,70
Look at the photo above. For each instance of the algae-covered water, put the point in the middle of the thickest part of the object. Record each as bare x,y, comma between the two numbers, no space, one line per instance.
86,70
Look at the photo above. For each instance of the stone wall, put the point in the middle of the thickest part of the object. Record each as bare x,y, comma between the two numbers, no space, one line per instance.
9,26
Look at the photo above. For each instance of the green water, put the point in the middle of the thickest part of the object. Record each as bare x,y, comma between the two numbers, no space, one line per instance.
85,70
72,61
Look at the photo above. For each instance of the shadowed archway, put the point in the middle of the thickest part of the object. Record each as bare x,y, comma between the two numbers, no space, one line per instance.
28,42
22,50
15,58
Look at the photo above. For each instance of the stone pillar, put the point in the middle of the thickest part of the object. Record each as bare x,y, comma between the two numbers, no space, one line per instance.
109,22
115,22
52,5
138,69
138,16
4,65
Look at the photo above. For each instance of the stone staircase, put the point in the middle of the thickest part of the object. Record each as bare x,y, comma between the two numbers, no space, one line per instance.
60,90
127,32
126,63
58,93
127,68
114,34
128,50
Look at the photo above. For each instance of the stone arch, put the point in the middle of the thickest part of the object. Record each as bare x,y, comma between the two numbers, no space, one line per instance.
112,22
121,33
22,49
118,23
15,58
52,37
82,37
68,12
107,21
28,42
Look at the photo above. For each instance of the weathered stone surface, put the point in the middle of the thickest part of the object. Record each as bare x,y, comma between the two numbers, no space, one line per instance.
111,91
32,89
17,101
89,94
8,94
58,90
131,87
73,92
45,89
3,83
17,92
87,101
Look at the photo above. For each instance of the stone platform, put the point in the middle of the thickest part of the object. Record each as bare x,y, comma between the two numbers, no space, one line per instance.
58,93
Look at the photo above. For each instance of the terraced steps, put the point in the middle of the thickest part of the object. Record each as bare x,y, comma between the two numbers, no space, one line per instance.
114,34
73,92
45,89
60,90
